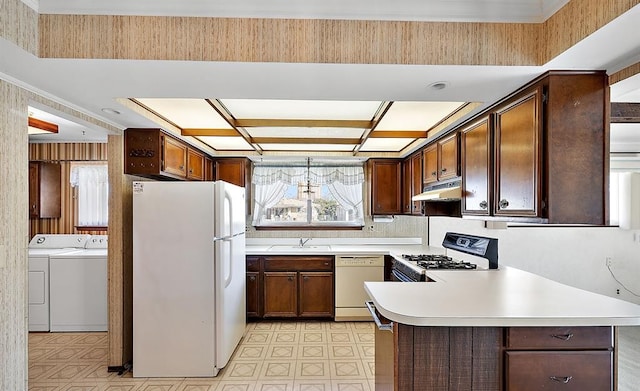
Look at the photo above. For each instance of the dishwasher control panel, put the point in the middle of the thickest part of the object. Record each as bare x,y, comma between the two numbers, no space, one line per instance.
346,261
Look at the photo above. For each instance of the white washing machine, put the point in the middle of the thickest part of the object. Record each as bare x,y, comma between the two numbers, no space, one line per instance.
41,247
78,288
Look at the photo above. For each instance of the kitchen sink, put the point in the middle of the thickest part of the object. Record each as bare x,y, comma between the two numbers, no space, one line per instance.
298,248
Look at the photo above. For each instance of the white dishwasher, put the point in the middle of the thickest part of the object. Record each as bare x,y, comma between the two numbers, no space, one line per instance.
350,274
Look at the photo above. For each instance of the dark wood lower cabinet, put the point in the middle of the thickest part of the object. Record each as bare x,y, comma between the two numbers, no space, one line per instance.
290,287
313,299
553,370
412,358
438,358
280,294
253,295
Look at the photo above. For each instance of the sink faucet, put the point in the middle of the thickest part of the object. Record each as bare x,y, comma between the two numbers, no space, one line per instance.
303,242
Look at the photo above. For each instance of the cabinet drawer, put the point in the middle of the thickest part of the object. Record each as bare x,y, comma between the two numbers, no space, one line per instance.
559,337
253,264
309,263
567,371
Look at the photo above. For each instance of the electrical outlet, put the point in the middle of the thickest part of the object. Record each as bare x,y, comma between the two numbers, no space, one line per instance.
371,228
608,261
617,291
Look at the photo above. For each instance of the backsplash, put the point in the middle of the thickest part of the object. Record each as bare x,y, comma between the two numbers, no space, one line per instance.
400,227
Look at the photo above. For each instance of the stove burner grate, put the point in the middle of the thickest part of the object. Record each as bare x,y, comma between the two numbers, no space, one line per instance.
439,262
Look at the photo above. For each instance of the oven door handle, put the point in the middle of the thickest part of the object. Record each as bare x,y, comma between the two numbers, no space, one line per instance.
381,326
400,276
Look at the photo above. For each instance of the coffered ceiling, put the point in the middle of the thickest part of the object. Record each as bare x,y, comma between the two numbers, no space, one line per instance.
253,108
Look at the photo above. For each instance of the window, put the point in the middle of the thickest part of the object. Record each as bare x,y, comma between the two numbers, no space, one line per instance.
318,195
92,194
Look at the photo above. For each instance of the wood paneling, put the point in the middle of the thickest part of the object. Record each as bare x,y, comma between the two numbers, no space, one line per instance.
288,40
324,41
578,19
120,263
66,154
625,73
19,25
14,236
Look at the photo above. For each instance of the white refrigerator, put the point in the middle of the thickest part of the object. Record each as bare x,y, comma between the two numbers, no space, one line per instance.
188,277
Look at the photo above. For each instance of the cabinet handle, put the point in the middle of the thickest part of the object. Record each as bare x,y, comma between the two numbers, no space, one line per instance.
564,337
305,278
484,205
252,278
503,204
444,169
181,167
434,173
561,379
290,278
379,324
326,263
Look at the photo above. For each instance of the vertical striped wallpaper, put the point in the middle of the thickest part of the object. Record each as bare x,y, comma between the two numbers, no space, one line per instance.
14,207
65,154
19,25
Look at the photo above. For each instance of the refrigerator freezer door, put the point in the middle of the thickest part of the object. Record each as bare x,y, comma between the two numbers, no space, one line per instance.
173,279
230,270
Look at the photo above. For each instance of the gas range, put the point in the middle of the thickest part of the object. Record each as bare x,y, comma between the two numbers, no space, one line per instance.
409,268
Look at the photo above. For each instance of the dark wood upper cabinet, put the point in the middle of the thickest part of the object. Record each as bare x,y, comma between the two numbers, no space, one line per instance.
44,190
386,185
174,156
430,159
412,184
475,162
517,134
152,153
448,157
195,165
232,170
549,142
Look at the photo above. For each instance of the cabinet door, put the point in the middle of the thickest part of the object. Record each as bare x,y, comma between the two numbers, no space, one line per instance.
517,132
253,294
208,169
316,294
448,157
231,170
280,294
416,183
195,165
386,197
45,190
406,187
559,370
174,157
34,190
430,169
475,147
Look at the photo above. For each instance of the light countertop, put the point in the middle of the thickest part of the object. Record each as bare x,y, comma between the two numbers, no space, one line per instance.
340,246
504,297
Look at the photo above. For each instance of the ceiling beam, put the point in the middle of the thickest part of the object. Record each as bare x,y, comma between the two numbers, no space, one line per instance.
398,134
625,112
302,123
43,125
224,113
297,140
210,132
382,110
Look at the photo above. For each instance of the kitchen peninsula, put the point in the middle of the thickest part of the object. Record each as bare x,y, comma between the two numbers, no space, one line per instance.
503,329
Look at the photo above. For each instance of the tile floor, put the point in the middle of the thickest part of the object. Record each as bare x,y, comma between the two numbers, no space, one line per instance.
273,356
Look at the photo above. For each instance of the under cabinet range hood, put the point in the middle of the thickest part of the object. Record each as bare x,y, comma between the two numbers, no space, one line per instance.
451,190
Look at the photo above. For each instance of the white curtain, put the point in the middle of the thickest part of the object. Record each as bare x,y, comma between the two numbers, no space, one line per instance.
350,197
93,194
266,196
265,175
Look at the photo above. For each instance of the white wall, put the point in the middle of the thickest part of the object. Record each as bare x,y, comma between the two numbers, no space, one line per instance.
571,255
